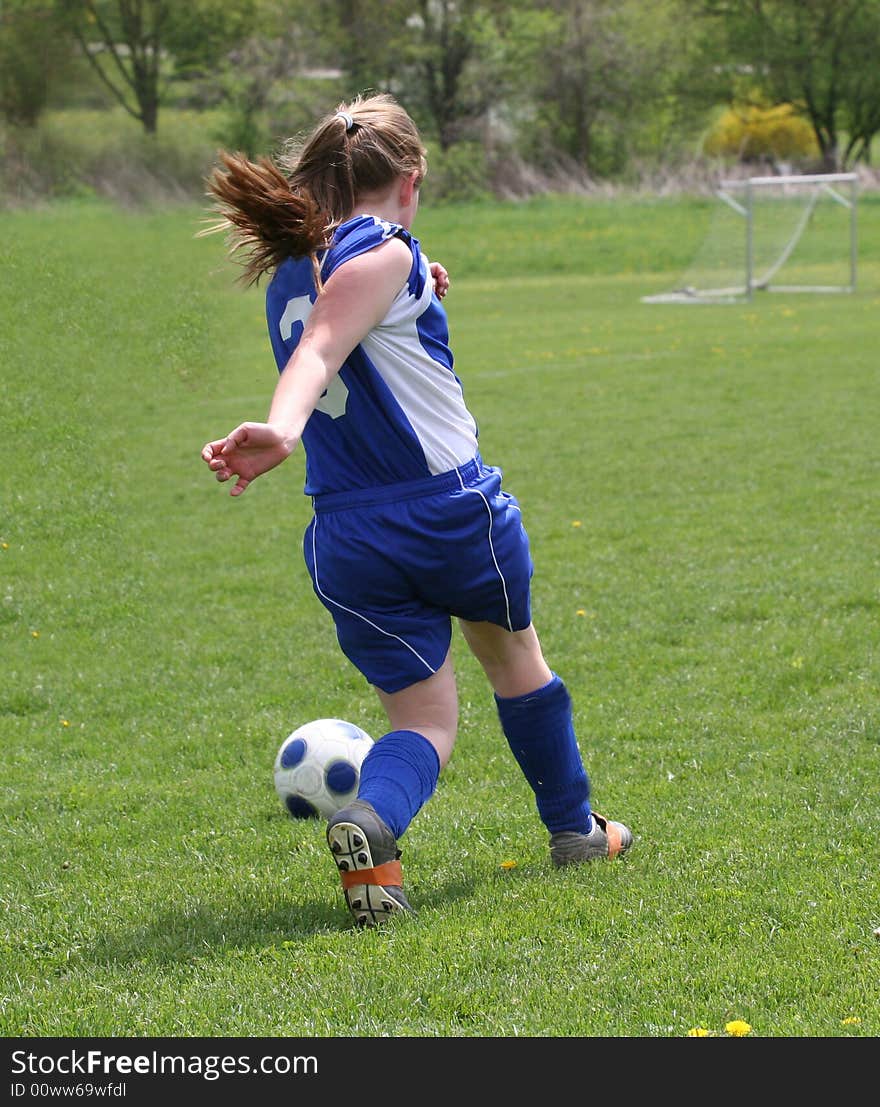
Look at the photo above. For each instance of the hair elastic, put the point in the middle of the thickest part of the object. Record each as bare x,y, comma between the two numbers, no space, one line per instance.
346,119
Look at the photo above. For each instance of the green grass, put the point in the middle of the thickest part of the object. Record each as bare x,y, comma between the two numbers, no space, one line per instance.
700,488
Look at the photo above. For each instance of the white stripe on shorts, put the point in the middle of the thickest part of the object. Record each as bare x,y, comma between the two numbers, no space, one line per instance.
358,614
464,488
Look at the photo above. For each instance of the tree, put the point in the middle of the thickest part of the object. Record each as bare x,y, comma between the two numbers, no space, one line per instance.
201,34
34,55
605,69
262,76
130,44
819,55
419,49
367,37
860,108
443,42
122,40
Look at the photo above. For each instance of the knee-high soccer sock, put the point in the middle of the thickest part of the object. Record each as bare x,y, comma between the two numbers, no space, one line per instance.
540,732
398,776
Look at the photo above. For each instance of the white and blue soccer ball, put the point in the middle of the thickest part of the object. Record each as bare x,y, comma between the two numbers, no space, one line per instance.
318,767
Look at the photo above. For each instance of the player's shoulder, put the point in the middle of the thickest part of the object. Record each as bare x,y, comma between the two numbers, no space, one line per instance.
367,229
363,234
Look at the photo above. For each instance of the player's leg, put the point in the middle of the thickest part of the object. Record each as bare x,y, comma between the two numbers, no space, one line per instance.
513,661
429,707
399,641
400,773
398,777
535,712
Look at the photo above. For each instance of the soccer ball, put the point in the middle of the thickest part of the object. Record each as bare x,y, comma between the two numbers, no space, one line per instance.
318,767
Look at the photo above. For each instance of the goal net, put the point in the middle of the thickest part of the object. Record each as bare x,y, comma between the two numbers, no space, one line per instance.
774,234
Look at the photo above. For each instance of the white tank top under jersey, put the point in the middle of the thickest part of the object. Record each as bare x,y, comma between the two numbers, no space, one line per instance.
395,412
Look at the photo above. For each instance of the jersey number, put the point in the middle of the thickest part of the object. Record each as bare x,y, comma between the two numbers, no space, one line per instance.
335,396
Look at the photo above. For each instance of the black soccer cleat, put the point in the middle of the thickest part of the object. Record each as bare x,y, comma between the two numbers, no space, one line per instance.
368,860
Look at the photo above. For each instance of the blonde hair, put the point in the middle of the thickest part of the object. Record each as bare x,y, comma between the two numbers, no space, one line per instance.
290,207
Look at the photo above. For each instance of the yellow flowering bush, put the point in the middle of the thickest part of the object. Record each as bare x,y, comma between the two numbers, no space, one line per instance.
750,132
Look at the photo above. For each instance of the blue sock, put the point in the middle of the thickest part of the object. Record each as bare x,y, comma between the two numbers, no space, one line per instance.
540,732
398,776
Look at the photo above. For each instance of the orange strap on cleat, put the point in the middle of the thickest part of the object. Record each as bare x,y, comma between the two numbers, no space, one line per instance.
389,873
611,833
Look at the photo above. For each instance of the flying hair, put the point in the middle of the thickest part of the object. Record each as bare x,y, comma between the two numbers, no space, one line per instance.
273,209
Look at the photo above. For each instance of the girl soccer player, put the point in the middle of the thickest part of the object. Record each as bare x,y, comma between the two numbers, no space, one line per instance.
410,528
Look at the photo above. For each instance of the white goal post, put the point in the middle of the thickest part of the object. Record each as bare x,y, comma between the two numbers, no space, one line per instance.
774,234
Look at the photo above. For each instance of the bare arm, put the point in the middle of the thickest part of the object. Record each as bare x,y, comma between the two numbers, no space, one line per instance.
353,301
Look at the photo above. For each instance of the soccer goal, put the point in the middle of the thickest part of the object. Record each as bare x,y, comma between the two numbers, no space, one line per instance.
774,234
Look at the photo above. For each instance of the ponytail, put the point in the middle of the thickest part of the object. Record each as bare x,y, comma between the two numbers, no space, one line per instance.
266,220
291,209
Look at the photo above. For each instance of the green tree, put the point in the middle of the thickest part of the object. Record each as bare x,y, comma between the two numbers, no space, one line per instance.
820,55
34,55
606,69
443,40
435,54
123,41
200,34
860,108
367,38
130,44
274,81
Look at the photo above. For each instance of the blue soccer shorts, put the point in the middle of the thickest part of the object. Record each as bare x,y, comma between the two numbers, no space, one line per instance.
394,565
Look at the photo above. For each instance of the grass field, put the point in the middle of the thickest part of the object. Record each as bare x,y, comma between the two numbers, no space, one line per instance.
700,485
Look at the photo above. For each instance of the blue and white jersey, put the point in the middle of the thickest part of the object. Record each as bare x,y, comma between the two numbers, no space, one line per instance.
395,412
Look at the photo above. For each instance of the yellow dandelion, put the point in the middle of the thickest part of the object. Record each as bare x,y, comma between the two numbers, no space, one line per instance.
35,634
851,1020
576,523
698,1032
508,864
580,611
738,1028
65,722
4,545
